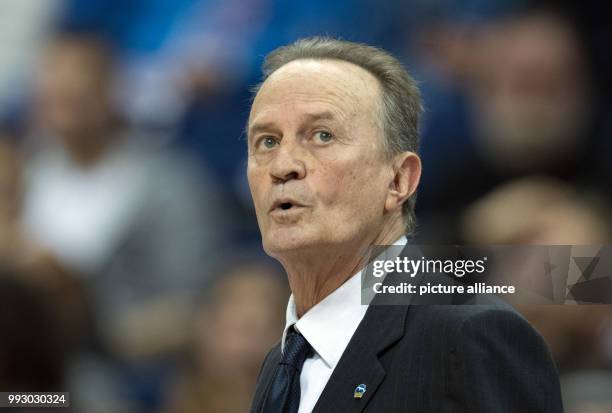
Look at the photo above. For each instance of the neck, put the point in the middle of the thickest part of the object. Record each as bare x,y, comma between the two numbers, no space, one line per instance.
317,273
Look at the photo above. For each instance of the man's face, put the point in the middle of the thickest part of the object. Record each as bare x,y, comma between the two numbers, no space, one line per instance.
316,167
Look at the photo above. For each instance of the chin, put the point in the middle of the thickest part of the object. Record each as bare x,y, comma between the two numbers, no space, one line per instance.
284,240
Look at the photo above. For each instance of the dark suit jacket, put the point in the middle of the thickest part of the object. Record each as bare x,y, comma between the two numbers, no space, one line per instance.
438,358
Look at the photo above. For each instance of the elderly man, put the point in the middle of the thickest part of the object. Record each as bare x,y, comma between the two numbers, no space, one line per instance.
332,168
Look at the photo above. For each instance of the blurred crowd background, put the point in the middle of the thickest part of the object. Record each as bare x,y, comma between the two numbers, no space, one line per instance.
131,270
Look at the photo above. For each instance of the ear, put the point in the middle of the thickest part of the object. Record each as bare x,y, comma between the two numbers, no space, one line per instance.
406,176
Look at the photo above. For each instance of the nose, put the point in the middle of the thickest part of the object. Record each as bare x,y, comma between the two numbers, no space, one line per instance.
288,163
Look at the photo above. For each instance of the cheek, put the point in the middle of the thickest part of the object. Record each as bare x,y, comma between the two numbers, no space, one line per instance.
349,184
256,185
361,188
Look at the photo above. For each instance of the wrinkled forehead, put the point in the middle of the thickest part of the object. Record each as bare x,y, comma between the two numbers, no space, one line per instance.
342,87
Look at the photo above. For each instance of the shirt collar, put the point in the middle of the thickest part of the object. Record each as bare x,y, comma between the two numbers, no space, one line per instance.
329,325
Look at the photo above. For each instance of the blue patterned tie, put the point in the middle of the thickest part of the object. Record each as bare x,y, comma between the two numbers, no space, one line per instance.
284,393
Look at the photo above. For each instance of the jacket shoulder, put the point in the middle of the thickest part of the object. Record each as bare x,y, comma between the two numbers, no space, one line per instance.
266,372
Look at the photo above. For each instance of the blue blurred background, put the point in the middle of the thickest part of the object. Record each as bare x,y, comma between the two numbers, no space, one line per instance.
129,250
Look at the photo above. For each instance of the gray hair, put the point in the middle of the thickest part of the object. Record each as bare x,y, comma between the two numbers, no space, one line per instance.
401,99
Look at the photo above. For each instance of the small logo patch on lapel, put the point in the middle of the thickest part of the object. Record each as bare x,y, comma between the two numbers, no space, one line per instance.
359,391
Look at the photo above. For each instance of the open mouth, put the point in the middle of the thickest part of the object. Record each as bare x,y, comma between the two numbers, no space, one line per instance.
285,205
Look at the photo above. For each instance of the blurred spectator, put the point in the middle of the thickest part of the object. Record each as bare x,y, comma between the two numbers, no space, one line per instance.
37,268
539,211
138,224
532,95
240,316
530,110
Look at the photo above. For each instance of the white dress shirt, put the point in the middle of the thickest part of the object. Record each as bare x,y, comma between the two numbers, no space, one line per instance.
328,327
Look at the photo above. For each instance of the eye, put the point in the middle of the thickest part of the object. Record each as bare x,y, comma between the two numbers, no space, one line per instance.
323,136
268,142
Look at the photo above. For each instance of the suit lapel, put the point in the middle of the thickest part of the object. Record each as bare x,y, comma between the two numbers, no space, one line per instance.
381,327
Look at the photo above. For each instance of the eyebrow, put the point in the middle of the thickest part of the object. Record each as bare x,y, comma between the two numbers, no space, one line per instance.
259,127
311,117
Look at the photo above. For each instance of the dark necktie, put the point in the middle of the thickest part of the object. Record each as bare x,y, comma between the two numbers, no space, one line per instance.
284,393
